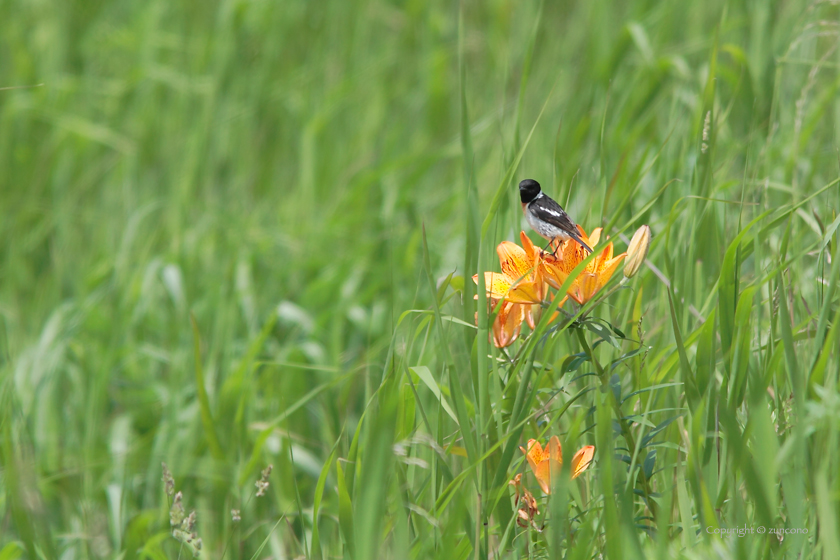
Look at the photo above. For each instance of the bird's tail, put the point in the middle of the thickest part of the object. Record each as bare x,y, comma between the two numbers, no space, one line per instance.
577,238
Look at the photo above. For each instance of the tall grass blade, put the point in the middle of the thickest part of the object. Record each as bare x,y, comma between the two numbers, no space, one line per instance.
203,400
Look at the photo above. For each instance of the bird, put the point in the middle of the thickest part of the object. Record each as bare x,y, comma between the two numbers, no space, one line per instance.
546,216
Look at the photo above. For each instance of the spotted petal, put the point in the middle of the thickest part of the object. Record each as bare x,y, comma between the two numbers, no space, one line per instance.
514,260
544,460
610,267
534,454
498,285
604,257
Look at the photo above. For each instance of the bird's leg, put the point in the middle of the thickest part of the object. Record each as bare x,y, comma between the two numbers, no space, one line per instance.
547,247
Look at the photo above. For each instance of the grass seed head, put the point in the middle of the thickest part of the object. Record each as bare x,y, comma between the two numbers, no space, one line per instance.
262,483
168,480
183,526
707,126
176,511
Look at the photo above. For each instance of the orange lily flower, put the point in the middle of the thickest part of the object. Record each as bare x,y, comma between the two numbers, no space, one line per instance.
517,287
521,287
545,460
517,281
596,274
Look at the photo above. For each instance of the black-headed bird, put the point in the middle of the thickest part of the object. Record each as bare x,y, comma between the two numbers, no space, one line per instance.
546,216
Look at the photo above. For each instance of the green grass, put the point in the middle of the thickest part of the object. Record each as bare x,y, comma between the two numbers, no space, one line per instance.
224,237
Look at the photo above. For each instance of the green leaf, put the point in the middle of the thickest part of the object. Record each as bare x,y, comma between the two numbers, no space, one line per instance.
152,547
739,453
826,513
12,551
651,388
319,494
345,512
684,507
741,348
650,463
820,360
426,377
137,532
691,392
705,357
264,542
203,400
832,341
659,427
728,290
603,332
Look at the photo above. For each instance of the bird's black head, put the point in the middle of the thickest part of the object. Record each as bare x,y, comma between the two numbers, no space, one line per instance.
528,190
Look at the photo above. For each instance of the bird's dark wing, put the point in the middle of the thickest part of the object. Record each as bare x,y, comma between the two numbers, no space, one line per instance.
550,212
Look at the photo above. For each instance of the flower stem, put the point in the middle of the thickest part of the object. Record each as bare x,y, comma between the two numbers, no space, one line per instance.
625,427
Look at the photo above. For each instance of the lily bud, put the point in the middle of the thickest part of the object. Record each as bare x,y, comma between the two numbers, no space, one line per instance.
637,251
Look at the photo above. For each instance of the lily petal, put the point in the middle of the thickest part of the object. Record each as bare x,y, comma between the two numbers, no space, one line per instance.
515,262
582,460
498,285
609,268
555,454
507,325
589,285
534,454
544,461
528,246
595,237
524,292
529,316
605,256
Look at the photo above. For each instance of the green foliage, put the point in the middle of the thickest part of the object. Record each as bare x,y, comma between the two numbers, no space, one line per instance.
243,233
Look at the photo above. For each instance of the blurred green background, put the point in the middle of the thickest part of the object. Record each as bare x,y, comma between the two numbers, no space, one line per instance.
269,167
